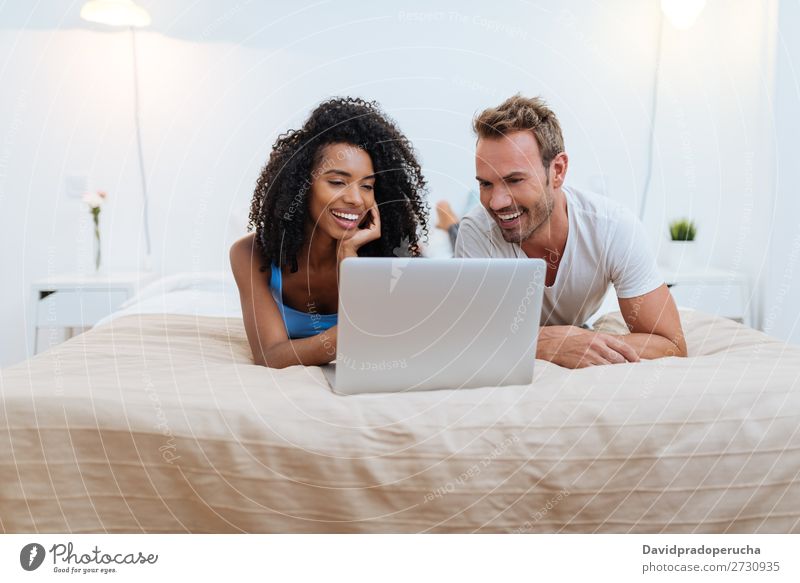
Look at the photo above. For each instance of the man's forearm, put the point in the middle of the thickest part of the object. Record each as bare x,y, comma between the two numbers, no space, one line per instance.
652,345
574,347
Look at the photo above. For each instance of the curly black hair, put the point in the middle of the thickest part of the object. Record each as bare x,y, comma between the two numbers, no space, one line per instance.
280,201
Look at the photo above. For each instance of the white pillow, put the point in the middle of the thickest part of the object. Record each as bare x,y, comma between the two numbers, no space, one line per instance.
212,281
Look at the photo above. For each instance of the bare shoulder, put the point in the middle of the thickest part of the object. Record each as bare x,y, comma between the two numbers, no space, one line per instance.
244,244
244,255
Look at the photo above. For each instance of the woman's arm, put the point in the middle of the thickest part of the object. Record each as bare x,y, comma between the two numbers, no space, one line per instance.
263,322
312,351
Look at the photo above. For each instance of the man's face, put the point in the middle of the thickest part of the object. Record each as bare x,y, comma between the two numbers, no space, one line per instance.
514,184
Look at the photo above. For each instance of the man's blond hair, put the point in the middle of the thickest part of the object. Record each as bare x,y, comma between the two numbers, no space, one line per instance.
520,113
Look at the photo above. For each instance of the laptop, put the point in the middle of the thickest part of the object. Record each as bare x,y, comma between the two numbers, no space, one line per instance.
408,324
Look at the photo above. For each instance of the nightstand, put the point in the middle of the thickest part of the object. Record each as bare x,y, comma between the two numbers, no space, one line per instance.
68,302
715,291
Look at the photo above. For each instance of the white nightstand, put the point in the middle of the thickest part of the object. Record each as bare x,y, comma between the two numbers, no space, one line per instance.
715,291
64,303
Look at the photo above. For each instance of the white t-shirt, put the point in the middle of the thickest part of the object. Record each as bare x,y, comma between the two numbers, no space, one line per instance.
606,244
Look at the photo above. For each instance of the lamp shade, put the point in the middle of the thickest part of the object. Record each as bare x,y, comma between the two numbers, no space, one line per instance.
682,13
115,13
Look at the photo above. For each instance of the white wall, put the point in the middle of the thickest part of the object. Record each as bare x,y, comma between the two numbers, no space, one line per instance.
220,81
782,295
715,132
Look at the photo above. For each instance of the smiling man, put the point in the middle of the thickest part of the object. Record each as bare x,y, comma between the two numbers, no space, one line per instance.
587,241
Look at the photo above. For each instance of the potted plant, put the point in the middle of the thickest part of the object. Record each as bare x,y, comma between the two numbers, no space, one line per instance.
681,249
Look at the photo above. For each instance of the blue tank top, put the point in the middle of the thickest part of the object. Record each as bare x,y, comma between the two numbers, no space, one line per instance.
298,324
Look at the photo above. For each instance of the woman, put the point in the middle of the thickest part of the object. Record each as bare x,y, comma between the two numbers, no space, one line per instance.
346,184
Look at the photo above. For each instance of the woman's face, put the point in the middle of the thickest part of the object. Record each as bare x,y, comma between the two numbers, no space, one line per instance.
342,189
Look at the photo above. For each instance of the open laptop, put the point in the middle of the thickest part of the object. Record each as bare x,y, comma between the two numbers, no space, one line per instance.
413,324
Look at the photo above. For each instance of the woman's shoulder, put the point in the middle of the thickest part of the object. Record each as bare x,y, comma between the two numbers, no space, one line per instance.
244,246
245,255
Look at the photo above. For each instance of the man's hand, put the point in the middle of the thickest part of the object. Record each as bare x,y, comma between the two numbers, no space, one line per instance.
573,347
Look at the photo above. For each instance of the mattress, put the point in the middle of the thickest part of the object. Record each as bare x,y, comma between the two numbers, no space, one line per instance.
160,423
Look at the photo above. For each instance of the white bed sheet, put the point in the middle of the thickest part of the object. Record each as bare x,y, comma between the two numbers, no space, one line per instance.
161,423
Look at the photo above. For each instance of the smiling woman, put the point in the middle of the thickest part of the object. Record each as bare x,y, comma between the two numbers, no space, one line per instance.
346,184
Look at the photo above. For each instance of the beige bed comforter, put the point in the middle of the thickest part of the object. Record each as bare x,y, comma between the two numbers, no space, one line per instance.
159,423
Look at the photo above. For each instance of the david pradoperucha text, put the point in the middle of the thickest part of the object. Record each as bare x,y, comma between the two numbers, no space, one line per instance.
699,550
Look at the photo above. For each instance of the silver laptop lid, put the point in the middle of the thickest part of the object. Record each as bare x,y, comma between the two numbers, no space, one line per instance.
413,324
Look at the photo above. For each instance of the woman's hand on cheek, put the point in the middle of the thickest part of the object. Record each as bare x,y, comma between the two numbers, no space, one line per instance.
357,238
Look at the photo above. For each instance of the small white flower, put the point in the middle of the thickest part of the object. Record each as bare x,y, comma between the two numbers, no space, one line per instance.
94,199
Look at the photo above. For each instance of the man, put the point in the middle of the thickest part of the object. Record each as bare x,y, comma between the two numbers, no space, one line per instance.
586,240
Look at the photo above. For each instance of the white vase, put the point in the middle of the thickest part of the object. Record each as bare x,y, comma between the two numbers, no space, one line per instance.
682,255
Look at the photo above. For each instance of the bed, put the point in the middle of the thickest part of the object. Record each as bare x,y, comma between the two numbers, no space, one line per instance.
156,421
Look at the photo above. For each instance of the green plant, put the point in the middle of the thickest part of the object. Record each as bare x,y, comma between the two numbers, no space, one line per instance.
682,230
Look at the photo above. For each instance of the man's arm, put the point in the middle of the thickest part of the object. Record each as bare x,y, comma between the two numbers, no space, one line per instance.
645,302
574,347
655,324
655,328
